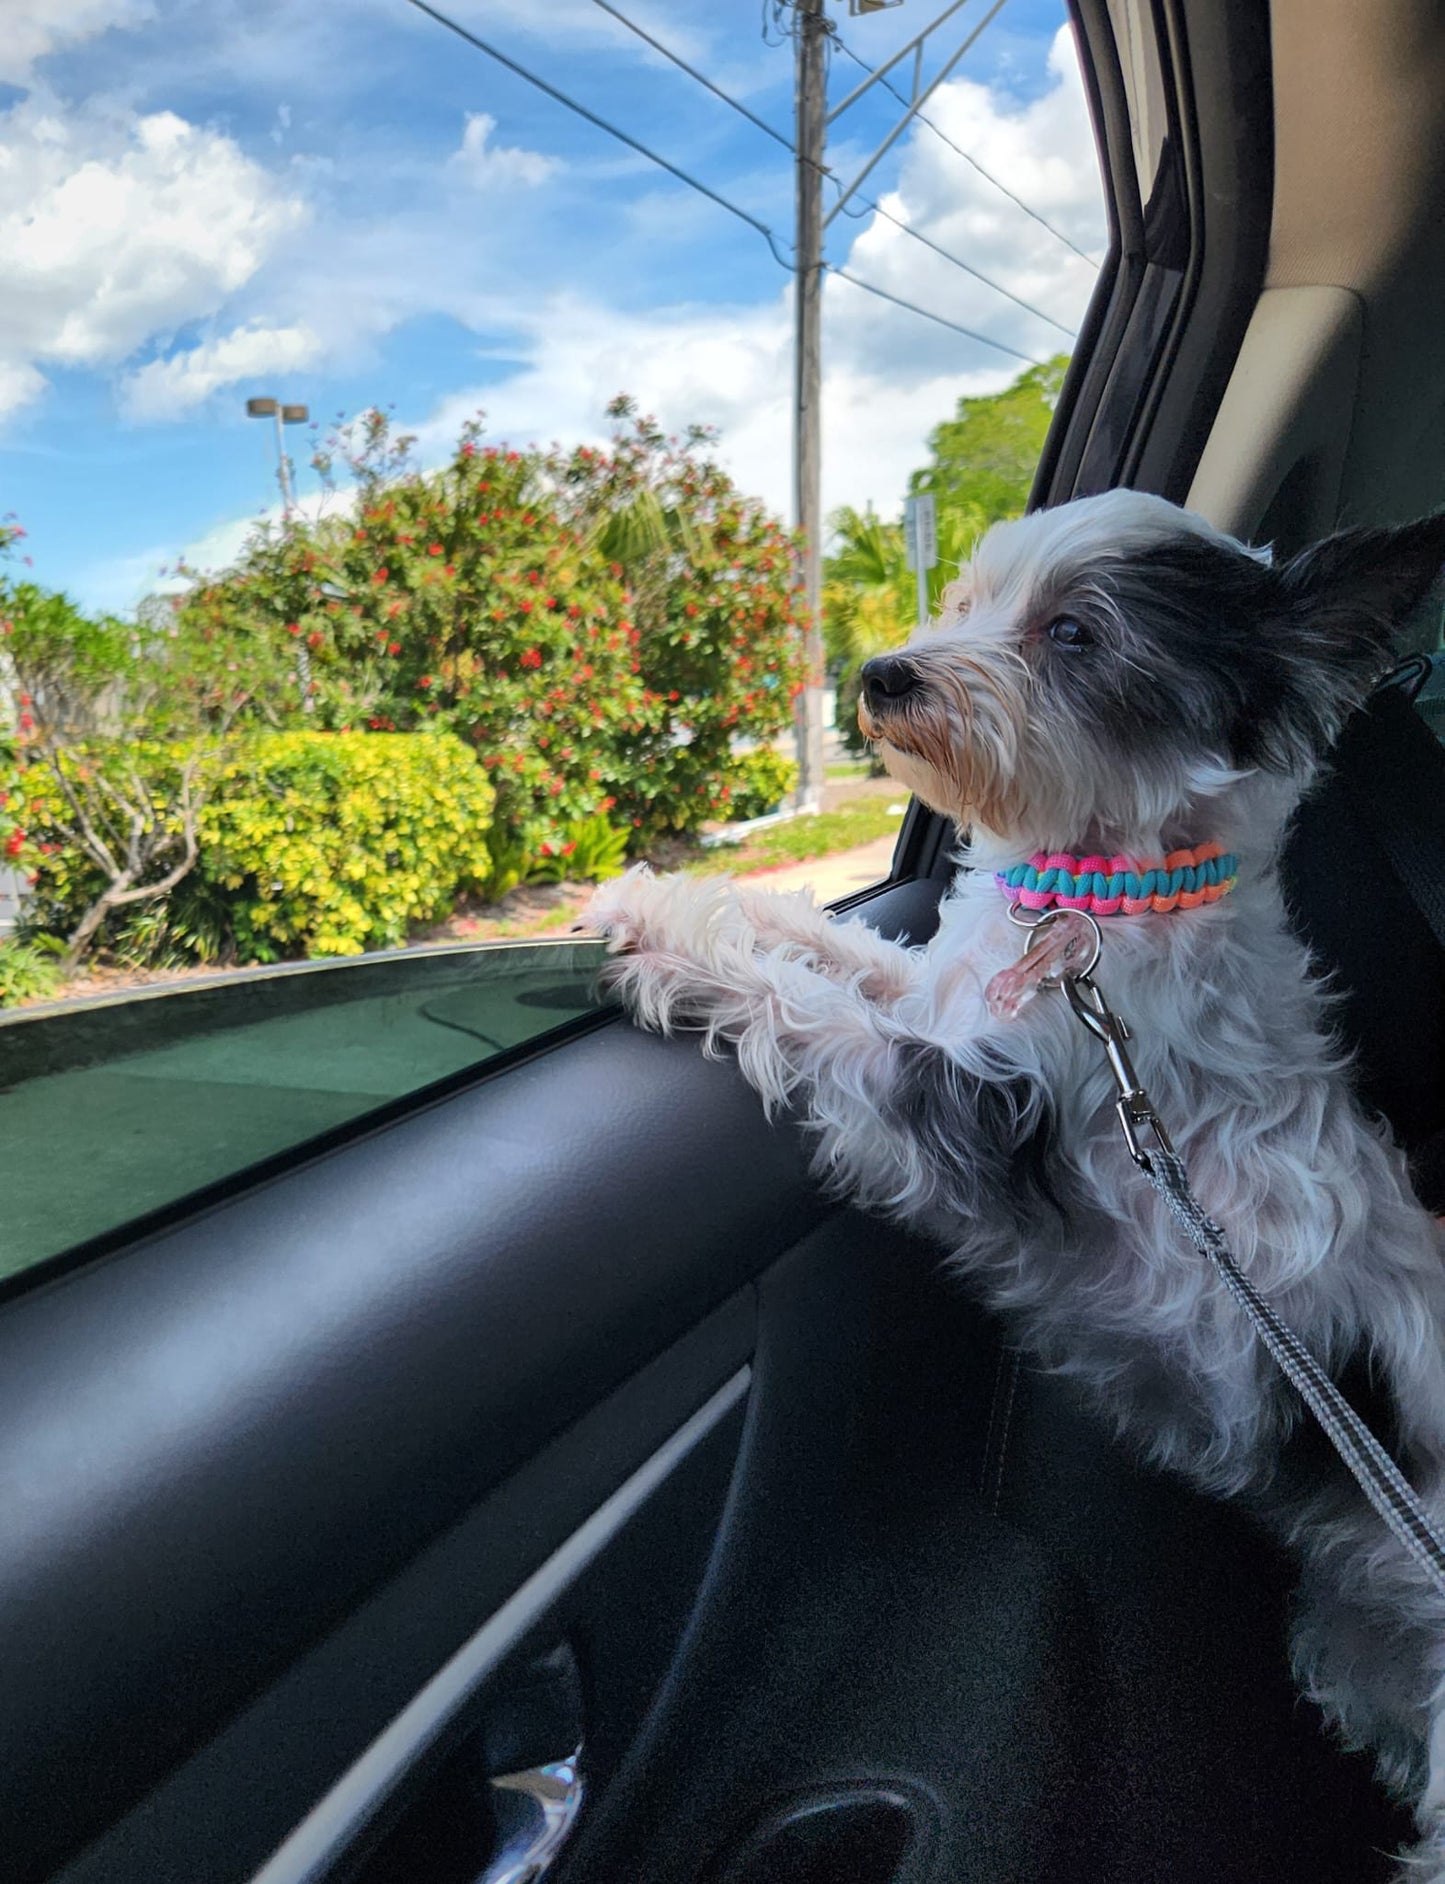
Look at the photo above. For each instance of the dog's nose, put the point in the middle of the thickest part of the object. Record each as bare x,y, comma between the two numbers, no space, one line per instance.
888,677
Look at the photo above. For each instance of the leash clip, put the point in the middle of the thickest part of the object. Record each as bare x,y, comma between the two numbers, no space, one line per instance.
1134,1108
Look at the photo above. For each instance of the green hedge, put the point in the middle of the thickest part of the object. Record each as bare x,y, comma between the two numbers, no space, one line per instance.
331,843
311,844
758,782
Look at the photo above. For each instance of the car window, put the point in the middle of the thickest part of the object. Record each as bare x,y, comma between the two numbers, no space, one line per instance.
116,1107
398,535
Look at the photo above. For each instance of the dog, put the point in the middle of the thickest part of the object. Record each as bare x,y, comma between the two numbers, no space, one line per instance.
1116,684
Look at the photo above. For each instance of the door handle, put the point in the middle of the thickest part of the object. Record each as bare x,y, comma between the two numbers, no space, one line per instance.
534,1812
532,1746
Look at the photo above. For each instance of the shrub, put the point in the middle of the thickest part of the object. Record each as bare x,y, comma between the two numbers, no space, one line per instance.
331,843
759,782
309,843
29,971
458,599
589,852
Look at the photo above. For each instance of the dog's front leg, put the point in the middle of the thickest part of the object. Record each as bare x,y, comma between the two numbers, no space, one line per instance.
903,1122
838,946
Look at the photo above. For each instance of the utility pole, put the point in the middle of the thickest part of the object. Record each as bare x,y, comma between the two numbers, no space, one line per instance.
810,42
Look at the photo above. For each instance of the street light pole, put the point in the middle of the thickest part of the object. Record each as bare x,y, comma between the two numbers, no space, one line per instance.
283,415
811,68
287,415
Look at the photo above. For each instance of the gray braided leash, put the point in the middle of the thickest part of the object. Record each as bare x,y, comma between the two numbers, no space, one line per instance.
1377,1474
1374,1470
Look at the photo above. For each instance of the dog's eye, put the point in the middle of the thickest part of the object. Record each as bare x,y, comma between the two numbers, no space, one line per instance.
1071,634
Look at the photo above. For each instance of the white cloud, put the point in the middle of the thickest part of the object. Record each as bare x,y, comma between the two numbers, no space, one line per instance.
171,388
728,367
114,232
485,165
20,384
889,376
32,30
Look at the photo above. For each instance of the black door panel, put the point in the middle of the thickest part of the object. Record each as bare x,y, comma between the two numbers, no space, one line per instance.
261,1415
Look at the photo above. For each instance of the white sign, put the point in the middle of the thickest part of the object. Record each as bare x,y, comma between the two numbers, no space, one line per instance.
920,524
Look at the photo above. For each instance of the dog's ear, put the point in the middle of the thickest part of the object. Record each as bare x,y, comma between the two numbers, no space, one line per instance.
1342,604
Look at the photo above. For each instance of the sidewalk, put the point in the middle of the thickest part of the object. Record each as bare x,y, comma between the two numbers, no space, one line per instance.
843,874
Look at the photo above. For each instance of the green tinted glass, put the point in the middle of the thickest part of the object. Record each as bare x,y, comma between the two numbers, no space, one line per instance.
115,1107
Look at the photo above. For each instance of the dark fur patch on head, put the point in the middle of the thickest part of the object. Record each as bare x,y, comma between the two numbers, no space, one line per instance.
1181,656
1200,646
988,1142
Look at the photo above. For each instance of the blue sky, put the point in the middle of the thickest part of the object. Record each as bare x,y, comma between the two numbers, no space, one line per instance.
201,200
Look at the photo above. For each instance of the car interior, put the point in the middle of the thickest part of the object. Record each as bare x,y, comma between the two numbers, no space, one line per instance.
536,1475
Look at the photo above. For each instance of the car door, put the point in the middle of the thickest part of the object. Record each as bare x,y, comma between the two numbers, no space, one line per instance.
522,1468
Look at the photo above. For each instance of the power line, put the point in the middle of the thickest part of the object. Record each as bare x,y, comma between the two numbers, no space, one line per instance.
592,117
898,301
868,204
967,267
967,156
692,72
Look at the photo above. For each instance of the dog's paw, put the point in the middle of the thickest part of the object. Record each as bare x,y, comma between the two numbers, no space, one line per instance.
619,908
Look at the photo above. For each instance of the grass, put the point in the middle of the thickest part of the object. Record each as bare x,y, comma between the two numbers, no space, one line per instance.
856,821
851,768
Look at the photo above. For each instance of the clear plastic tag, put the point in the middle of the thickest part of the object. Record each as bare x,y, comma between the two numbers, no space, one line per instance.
1065,942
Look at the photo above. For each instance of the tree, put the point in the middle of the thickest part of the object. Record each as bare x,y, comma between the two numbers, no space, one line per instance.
983,459
710,575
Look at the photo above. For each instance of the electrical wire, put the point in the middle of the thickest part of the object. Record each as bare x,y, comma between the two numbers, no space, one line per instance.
967,156
693,73
898,301
624,137
602,124
866,202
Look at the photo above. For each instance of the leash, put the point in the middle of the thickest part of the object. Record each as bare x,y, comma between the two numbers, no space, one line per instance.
1376,1473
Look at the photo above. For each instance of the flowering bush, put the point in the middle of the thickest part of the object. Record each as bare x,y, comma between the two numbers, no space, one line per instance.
456,599
710,574
309,843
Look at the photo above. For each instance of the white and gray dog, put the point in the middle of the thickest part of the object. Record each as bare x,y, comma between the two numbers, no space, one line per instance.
1117,682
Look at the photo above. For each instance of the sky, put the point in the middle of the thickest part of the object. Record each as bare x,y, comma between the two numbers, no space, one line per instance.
345,205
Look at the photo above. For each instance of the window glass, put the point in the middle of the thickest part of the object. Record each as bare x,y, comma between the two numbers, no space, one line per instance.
116,1107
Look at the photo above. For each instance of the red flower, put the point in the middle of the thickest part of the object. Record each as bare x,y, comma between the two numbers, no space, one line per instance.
434,549
15,843
394,647
425,681
315,638
449,570
532,657
293,627
381,574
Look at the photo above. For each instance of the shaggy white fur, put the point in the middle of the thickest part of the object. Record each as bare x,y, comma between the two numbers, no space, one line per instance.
1114,676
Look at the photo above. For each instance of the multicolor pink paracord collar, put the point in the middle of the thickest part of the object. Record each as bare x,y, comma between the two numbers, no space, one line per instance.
1121,886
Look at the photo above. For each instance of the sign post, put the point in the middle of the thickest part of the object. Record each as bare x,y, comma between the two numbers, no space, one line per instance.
920,528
